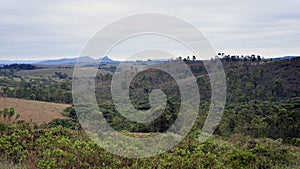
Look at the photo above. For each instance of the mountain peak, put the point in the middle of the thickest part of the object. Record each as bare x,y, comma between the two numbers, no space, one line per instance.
106,59
85,59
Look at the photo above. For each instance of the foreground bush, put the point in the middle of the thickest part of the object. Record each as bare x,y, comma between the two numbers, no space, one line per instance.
59,147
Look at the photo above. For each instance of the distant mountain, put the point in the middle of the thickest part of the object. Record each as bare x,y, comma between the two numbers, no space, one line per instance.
83,59
106,59
285,58
87,59
8,62
58,61
64,61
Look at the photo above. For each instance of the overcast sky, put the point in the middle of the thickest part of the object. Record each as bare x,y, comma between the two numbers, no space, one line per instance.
54,29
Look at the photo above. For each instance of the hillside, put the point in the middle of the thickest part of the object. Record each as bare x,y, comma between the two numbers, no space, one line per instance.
36,111
259,128
59,62
266,81
271,81
72,61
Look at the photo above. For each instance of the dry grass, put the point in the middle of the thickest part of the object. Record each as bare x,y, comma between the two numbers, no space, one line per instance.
141,135
38,111
51,71
45,72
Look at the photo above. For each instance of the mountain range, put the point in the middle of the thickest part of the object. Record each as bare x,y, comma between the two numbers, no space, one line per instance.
285,58
83,59
86,59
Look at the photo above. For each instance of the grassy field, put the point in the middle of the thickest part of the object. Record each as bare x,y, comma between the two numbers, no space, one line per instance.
38,111
45,72
51,71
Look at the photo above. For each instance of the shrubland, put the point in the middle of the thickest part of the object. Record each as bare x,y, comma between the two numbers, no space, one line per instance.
259,129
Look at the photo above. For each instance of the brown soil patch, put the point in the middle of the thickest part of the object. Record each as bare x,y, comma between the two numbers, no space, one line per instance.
36,110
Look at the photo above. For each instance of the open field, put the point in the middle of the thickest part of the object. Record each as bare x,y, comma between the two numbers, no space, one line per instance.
45,72
51,72
36,110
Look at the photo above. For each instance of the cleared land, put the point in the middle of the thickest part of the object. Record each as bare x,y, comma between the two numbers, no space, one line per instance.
38,111
45,72
51,71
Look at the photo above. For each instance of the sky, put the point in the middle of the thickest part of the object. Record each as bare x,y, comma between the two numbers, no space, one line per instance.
39,30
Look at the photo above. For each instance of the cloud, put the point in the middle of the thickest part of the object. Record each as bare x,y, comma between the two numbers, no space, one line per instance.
34,29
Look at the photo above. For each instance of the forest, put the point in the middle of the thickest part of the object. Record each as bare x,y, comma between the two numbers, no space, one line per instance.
259,128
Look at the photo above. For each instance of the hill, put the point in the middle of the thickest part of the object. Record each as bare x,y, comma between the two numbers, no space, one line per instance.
7,62
105,59
58,62
285,58
259,127
63,61
45,72
36,111
83,59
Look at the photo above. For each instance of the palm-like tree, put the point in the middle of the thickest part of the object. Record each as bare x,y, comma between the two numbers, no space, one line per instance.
194,57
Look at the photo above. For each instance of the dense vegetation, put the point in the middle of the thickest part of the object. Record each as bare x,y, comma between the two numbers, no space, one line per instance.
259,129
20,67
42,89
262,99
260,120
246,81
58,147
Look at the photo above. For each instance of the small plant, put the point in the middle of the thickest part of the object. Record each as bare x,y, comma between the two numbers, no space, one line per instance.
7,115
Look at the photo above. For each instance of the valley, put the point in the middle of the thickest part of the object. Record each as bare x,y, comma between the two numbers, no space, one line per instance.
259,127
